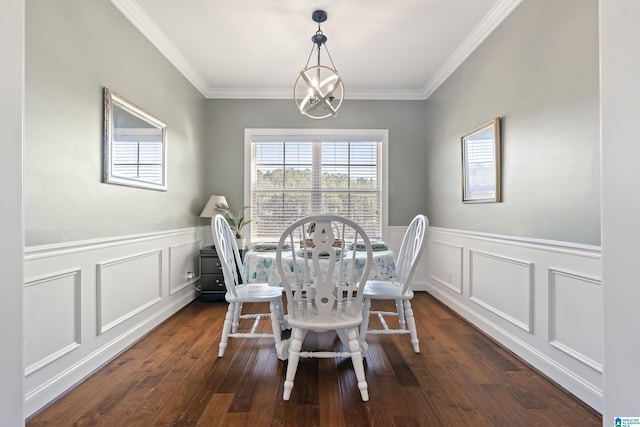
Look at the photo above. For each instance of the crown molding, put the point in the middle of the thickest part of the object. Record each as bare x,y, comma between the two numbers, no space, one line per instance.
132,11
287,93
249,93
489,23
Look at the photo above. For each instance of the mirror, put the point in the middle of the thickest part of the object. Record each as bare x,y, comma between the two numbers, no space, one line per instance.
481,164
135,145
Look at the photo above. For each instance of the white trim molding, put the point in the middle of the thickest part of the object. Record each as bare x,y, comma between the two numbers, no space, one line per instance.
489,23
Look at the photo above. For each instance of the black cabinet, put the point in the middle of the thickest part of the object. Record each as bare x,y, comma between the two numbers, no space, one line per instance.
211,284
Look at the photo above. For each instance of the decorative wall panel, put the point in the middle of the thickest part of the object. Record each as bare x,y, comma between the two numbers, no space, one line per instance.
51,318
138,277
183,261
503,286
445,264
572,327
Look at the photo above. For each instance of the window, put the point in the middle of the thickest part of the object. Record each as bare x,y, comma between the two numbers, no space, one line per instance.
137,155
292,174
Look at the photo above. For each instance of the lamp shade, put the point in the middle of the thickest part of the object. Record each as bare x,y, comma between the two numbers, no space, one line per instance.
211,208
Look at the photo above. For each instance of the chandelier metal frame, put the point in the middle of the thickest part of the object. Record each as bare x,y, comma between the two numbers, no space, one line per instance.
319,89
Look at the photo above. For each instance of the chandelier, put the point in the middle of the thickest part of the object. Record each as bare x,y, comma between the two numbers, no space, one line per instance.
319,90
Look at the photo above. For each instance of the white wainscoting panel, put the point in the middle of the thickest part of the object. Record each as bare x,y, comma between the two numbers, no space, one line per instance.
572,326
184,265
502,285
85,302
51,330
445,264
139,277
540,299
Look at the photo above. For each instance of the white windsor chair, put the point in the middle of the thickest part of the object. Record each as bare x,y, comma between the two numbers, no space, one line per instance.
239,292
322,283
398,290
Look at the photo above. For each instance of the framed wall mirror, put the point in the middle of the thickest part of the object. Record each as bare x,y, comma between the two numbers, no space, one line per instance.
135,145
481,164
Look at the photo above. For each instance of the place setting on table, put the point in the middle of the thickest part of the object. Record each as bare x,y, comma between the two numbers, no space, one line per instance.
259,261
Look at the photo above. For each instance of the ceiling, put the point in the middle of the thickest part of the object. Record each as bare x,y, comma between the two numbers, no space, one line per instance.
254,49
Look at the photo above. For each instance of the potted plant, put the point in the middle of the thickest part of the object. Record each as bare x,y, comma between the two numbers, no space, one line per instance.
236,221
308,242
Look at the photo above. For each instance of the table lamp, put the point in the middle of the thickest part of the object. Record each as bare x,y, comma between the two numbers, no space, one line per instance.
211,208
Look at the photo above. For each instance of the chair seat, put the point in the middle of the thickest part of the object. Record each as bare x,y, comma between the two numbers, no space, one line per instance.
379,289
255,292
315,325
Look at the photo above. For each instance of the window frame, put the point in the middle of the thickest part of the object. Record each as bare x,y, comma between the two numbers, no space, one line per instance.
277,134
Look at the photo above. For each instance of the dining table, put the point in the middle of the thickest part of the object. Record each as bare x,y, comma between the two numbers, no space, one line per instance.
260,266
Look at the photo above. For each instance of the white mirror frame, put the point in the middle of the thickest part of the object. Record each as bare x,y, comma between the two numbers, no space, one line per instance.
149,128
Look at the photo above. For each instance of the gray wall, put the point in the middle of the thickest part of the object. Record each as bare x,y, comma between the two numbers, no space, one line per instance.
539,72
227,120
74,48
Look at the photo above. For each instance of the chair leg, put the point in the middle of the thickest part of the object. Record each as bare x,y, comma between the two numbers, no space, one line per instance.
358,365
236,317
275,321
297,336
366,312
283,320
401,314
226,328
412,326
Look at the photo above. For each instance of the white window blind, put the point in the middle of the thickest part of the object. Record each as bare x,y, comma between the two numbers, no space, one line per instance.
138,156
481,168
292,179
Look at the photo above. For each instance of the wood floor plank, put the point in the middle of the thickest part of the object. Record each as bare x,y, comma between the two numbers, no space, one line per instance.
215,410
399,365
329,396
269,392
384,407
173,377
499,405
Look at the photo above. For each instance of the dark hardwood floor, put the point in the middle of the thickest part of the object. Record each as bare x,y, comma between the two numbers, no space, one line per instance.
173,377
